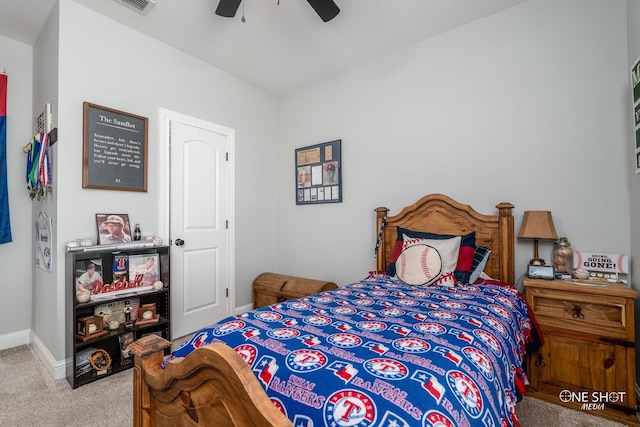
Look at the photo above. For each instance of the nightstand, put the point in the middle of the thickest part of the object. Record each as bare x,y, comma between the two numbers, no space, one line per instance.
587,361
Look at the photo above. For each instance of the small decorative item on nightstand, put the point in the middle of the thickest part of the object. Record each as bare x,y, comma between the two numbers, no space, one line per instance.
537,225
562,256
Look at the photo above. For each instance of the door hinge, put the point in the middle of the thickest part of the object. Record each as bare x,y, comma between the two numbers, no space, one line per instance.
227,224
227,156
227,292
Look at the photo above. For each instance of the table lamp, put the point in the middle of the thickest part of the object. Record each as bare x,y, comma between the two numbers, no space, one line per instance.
537,225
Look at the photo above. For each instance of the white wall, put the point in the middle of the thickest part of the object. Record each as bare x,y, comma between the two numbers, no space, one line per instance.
106,63
633,40
15,257
48,298
525,106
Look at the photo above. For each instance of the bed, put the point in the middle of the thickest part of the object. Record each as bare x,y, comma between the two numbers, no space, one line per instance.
377,352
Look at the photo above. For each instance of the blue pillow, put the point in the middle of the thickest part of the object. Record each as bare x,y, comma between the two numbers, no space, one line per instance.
480,258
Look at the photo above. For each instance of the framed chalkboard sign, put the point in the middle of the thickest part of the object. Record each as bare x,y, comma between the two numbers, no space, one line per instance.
114,151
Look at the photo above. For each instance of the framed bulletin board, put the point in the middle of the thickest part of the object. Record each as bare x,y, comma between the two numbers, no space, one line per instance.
114,150
319,173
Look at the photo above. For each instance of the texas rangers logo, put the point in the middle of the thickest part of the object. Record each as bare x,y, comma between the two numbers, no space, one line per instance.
436,419
323,299
419,294
445,315
278,404
344,310
392,312
265,369
496,325
344,371
317,320
227,328
480,361
199,340
430,328
371,326
283,333
305,360
489,340
364,301
299,305
407,302
344,340
453,304
467,392
269,316
248,353
506,301
411,345
379,293
499,311
349,408
387,369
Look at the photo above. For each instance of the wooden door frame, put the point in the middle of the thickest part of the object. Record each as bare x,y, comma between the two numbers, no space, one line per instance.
164,185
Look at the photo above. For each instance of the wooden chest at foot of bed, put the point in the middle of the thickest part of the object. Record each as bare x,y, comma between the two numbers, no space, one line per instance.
273,288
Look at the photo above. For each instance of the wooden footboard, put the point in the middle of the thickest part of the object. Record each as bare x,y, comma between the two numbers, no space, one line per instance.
212,387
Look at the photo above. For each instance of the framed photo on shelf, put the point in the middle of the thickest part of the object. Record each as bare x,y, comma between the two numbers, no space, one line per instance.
126,358
88,276
319,173
113,228
145,267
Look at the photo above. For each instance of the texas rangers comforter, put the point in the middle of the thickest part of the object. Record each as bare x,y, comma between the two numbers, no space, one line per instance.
381,353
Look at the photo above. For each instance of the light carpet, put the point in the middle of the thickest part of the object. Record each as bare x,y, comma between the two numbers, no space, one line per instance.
30,397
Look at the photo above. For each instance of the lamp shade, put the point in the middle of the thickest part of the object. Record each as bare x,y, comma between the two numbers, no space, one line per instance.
537,225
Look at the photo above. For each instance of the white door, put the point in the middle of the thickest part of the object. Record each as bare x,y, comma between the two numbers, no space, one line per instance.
199,220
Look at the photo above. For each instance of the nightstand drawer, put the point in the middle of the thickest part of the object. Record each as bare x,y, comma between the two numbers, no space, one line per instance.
599,314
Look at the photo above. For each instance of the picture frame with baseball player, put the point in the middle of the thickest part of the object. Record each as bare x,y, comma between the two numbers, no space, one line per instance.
113,229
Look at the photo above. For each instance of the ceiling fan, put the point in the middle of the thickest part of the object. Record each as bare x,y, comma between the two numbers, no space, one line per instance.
326,9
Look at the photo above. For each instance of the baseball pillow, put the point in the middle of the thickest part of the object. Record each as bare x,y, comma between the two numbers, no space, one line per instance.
419,265
464,266
448,250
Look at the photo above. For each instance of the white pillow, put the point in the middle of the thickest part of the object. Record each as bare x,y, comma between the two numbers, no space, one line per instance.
419,265
448,250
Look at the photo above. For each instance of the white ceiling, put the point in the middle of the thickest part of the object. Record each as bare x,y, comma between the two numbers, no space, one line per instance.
283,45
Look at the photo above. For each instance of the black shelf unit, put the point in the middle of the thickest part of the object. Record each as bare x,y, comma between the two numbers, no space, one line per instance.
78,373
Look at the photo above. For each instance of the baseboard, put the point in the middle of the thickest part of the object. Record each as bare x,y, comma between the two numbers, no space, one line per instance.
243,309
56,368
15,339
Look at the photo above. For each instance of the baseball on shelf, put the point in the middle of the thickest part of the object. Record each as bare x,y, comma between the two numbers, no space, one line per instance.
157,285
83,296
419,265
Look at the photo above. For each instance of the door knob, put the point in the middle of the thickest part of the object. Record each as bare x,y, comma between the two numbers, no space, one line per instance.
179,242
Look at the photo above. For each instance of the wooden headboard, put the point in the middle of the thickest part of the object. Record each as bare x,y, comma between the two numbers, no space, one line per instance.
437,213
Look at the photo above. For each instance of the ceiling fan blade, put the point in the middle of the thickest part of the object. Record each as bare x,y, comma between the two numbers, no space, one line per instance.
326,9
228,8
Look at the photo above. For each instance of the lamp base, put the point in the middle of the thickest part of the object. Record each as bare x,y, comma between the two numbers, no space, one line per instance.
536,261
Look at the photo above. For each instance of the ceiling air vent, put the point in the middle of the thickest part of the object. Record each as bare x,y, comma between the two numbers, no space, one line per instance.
142,6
